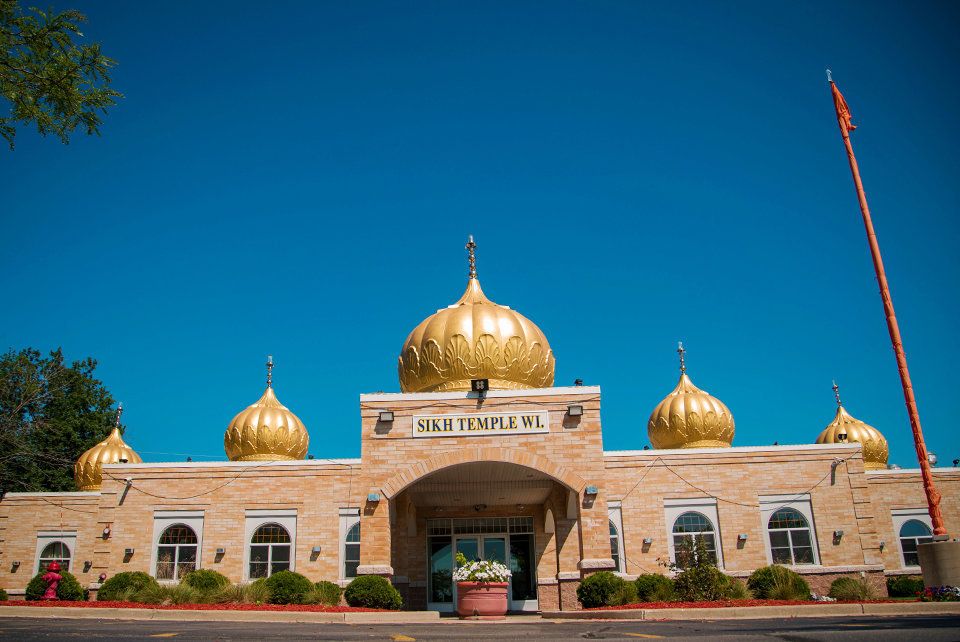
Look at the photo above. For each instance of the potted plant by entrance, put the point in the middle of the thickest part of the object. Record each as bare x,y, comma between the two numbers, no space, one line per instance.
481,588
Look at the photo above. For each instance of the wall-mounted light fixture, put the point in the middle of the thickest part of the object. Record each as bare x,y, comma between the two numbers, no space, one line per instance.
315,550
742,537
385,416
648,541
16,565
106,532
87,564
128,481
479,507
591,490
221,551
838,534
373,497
480,386
575,410
883,545
128,552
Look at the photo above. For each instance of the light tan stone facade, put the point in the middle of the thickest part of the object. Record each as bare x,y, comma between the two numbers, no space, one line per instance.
546,500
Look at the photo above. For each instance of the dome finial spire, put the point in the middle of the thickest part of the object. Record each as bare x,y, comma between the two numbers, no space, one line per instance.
682,351
269,371
471,247
836,394
119,413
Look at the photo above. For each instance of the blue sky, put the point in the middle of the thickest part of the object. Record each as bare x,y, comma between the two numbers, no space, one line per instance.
299,179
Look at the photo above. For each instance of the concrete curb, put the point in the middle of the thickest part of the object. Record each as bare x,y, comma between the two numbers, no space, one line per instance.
762,612
218,615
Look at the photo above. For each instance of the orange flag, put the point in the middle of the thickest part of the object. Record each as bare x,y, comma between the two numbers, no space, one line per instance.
843,112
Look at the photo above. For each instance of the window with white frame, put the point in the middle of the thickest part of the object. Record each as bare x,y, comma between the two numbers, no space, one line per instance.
691,522
271,541
178,539
349,542
787,521
269,551
615,517
55,546
912,526
176,552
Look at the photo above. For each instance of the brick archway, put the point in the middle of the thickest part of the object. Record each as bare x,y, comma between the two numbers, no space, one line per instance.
418,471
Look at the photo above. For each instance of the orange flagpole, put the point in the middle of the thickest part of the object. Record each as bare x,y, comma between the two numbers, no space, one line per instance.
933,496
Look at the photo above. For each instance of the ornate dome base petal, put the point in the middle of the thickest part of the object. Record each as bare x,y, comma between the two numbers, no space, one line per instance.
266,457
706,443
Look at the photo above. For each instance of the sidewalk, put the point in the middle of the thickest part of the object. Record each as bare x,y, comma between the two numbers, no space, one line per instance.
379,617
761,612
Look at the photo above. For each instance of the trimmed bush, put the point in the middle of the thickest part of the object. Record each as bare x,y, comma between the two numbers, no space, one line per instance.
600,589
851,589
373,592
904,586
736,589
123,586
68,589
205,580
777,582
287,587
3,596
700,583
653,587
328,593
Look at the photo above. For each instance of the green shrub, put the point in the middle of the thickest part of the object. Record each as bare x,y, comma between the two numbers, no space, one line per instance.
776,582
3,596
324,593
904,586
653,587
287,587
700,583
255,593
205,580
851,589
600,589
68,589
736,590
122,586
374,592
626,595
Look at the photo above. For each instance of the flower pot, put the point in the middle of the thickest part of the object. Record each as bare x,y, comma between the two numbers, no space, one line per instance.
487,600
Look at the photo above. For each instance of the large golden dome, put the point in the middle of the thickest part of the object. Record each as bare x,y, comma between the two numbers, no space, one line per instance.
88,471
847,429
266,430
475,338
690,418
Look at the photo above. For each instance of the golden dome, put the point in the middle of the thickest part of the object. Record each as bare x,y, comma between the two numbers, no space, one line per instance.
847,429
88,471
475,338
266,430
690,418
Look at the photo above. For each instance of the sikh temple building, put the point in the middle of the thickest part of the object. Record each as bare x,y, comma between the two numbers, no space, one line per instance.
481,453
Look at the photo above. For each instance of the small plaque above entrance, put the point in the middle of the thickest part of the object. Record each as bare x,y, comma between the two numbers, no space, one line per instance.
481,423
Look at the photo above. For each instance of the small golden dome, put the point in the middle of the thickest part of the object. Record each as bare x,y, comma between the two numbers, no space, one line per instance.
266,430
690,418
847,429
475,338
88,471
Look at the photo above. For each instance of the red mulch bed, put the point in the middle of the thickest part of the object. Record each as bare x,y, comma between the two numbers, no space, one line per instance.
316,608
723,604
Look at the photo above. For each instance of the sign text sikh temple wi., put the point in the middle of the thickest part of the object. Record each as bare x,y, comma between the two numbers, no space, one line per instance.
482,423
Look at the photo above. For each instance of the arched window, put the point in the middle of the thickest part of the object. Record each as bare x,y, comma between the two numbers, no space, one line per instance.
690,529
57,552
615,546
351,551
269,551
790,541
176,552
913,532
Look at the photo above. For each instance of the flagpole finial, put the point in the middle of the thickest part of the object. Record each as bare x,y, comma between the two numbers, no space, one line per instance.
472,256
270,371
682,352
829,76
836,393
119,413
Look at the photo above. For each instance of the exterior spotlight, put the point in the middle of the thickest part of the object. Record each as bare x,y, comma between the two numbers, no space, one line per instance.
578,382
16,565
932,458
310,457
315,550
221,551
480,386
479,507
102,578
893,467
575,410
646,447
838,534
648,541
122,460
106,532
88,564
373,497
385,416
590,490
128,551
742,537
956,463
883,545
128,481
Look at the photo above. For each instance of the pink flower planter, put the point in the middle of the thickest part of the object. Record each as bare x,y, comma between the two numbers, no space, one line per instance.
486,600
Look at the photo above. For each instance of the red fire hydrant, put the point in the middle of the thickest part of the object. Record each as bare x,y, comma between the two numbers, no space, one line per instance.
52,578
